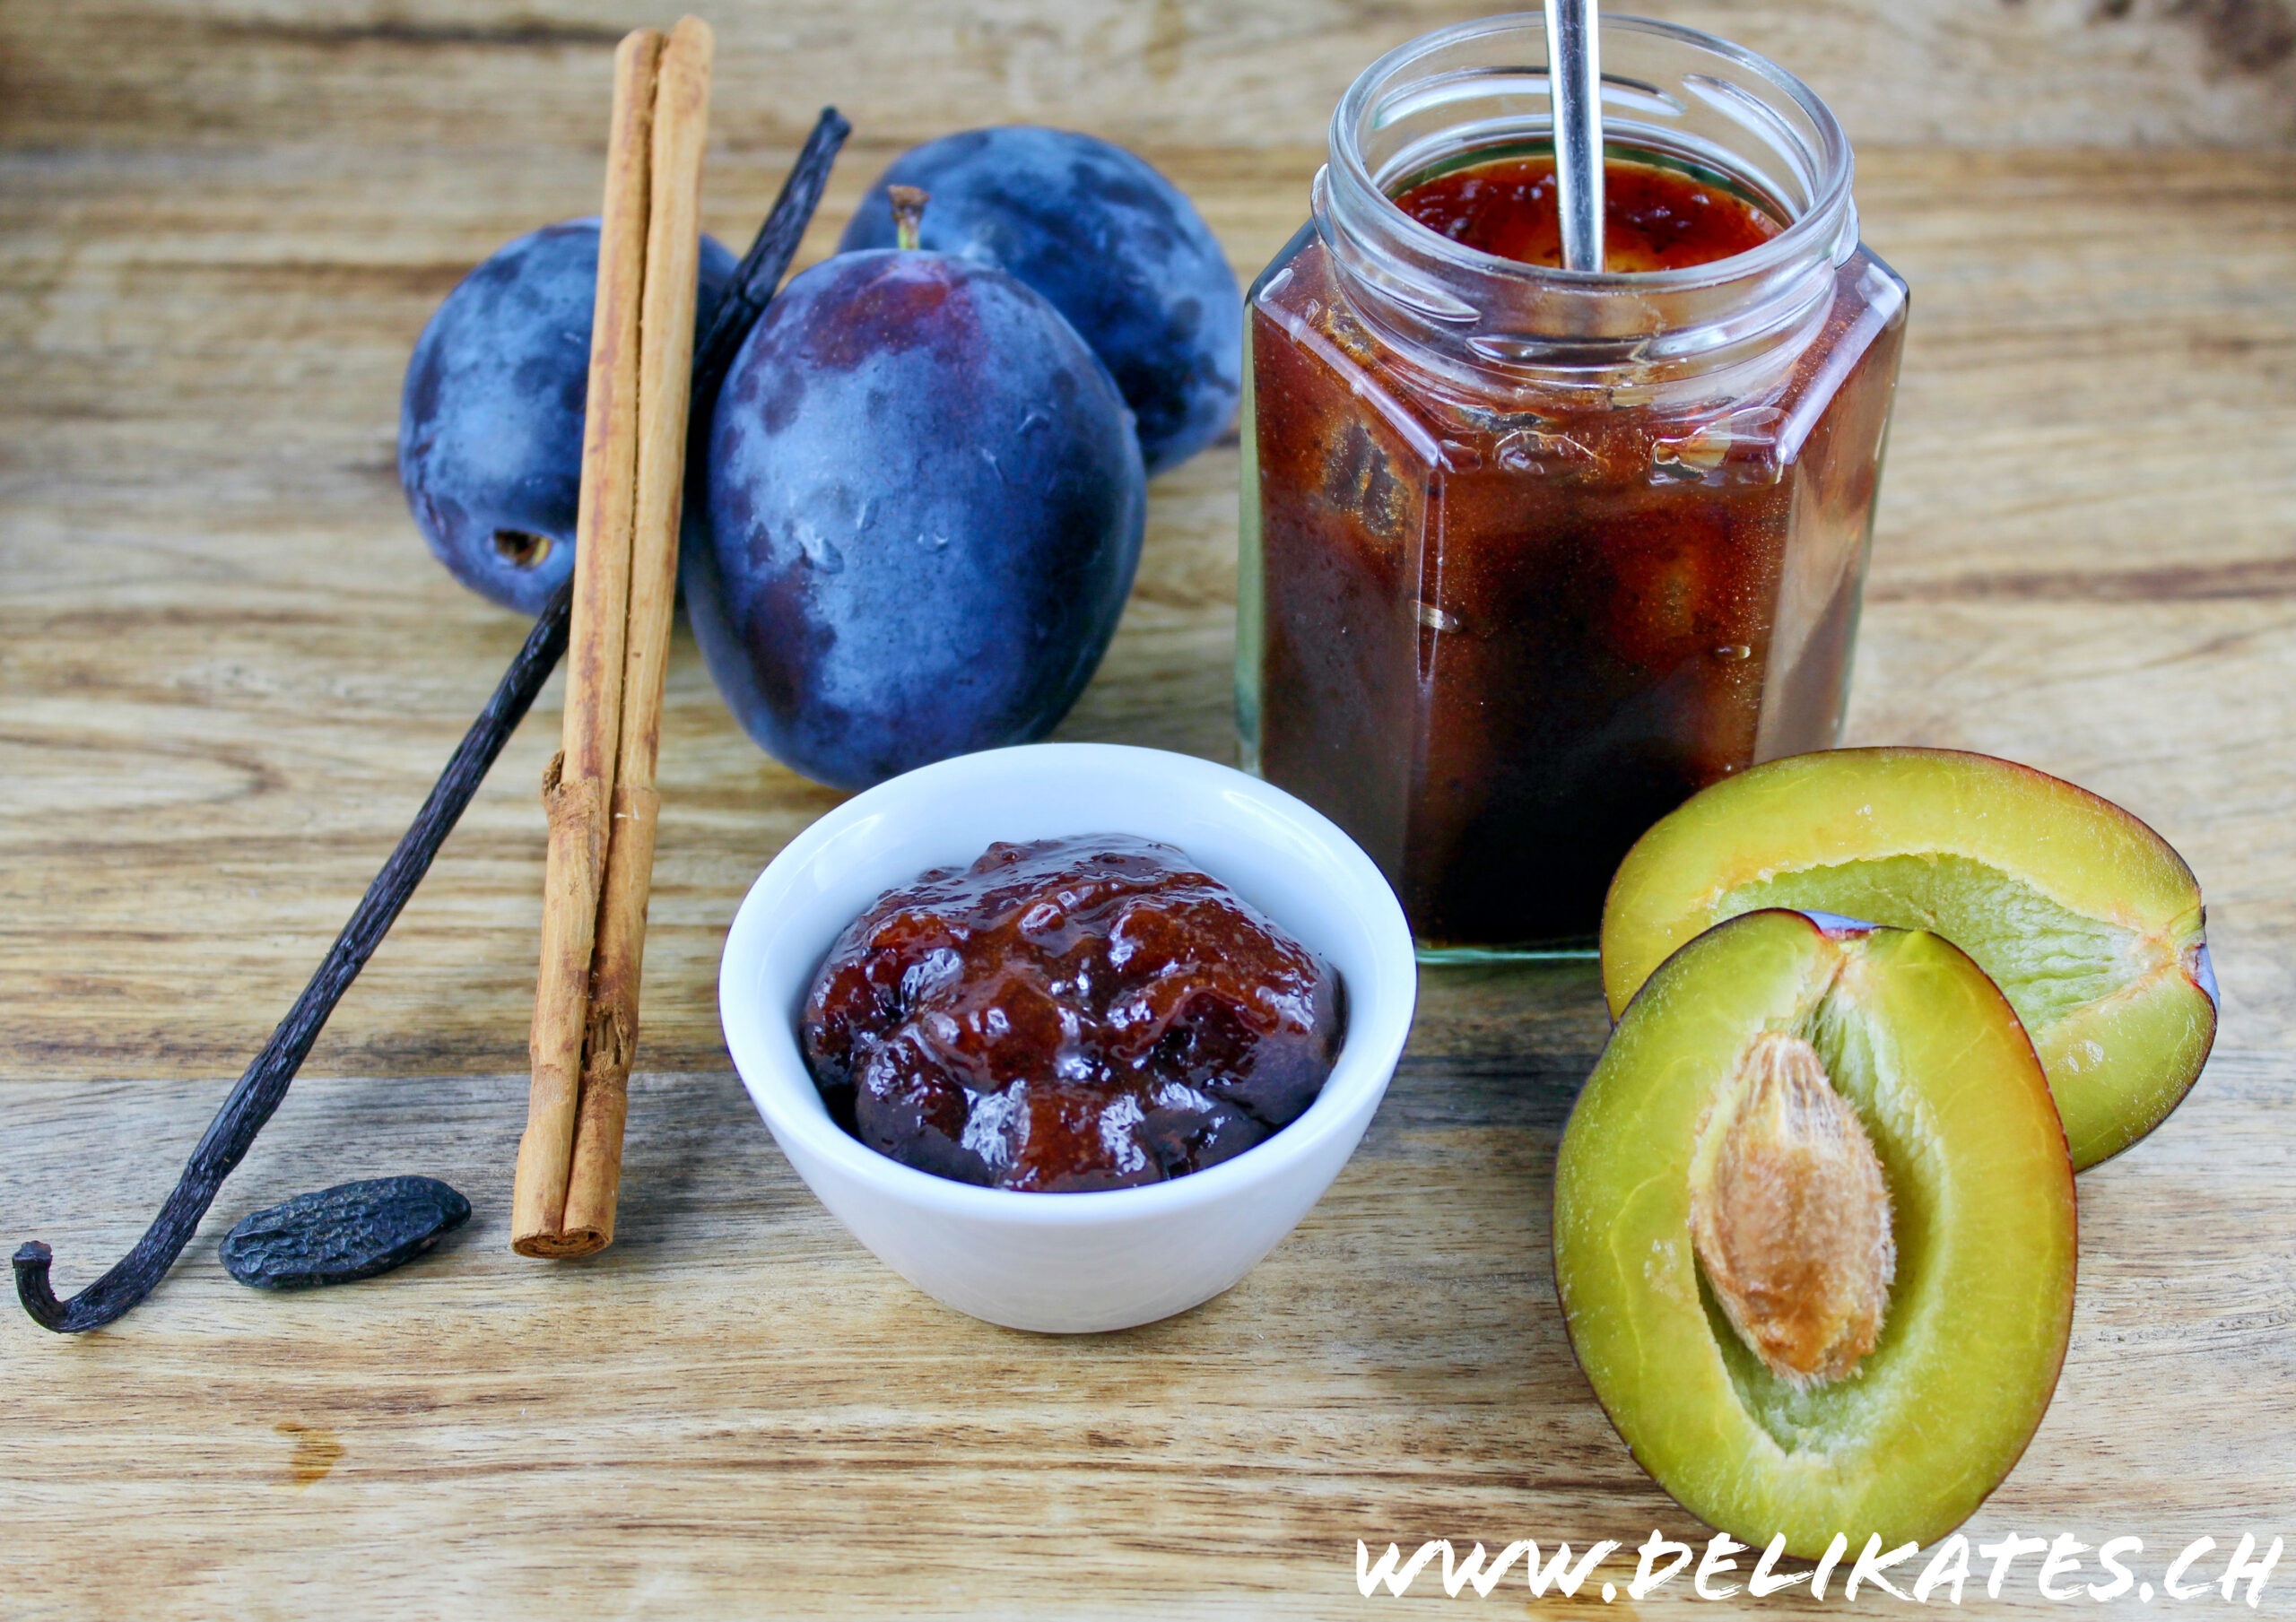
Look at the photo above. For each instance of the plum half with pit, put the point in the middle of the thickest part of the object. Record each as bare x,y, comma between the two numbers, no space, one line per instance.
925,505
489,436
1815,1232
1118,249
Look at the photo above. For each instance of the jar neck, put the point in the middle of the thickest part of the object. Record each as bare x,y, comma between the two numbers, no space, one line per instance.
1495,326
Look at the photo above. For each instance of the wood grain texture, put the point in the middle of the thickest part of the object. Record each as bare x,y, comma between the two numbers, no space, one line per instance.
1144,72
758,1418
232,672
228,673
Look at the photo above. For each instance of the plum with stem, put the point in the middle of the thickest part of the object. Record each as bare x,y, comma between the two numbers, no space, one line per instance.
1118,250
925,503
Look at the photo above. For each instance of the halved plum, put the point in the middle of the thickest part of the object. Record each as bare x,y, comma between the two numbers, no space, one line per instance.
1815,1232
2084,916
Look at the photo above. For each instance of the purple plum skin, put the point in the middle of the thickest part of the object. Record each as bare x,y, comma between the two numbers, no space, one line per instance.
926,501
490,437
1118,249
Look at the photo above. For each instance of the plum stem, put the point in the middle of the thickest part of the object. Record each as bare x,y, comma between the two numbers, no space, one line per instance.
909,214
264,1084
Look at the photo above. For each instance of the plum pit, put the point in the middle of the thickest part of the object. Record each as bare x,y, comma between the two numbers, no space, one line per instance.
1789,1215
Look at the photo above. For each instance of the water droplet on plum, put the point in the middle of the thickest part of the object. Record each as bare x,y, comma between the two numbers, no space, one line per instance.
821,553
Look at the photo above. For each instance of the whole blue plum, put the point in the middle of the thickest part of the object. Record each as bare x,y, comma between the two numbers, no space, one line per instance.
490,428
925,503
1117,248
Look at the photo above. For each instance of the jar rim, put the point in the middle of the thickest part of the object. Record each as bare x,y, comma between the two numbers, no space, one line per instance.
1813,230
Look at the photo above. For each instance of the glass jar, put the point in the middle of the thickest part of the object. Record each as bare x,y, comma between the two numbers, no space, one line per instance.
1530,555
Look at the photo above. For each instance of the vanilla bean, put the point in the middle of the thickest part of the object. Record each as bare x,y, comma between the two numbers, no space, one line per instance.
759,275
233,1133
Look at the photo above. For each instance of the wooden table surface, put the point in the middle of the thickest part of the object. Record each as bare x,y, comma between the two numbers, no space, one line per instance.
229,670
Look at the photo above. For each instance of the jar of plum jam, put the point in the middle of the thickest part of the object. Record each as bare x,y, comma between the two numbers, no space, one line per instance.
1531,555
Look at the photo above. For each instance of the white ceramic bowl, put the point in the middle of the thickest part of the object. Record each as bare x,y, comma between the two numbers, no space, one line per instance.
1068,1263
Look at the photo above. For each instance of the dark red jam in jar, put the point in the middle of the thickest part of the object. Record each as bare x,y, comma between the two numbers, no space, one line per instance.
1654,218
1530,556
1067,1015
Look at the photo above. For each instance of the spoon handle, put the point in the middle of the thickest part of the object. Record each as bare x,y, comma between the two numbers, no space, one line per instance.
1575,76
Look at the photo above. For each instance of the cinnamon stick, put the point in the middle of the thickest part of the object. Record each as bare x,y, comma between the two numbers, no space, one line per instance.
600,791
578,786
665,370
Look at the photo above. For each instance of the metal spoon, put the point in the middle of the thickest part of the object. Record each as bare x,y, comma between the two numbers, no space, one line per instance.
1575,79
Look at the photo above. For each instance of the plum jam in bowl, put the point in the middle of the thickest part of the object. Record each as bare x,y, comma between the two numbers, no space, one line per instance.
1069,1263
